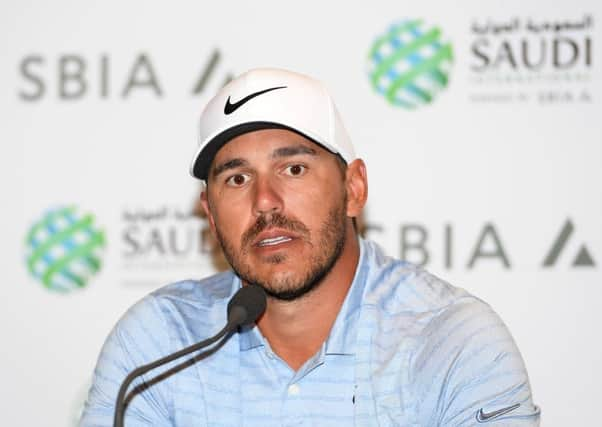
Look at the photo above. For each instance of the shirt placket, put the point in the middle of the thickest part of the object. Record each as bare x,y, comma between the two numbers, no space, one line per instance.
293,405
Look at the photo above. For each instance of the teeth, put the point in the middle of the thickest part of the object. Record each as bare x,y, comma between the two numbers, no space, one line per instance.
274,241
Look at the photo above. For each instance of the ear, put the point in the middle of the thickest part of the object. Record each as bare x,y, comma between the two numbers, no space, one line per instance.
207,210
357,187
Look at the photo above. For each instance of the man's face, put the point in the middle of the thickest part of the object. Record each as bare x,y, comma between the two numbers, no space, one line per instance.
277,203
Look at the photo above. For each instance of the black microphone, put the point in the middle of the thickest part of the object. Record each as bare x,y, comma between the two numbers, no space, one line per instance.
243,309
246,305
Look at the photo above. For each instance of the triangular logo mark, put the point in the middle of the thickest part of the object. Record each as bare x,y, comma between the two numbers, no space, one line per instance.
583,259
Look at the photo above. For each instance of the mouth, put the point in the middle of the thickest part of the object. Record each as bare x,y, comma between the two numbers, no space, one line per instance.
273,238
273,241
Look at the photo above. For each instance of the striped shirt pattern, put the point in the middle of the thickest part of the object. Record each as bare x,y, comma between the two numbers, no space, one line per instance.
406,349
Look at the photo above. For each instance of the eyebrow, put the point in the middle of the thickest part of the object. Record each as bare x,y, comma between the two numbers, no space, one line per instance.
230,164
293,150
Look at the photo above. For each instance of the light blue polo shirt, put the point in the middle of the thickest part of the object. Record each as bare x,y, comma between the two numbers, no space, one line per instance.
407,349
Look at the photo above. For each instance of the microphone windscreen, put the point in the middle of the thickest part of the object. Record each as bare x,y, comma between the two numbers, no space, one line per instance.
251,299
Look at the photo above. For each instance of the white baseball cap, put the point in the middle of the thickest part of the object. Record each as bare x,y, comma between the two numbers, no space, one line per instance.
268,98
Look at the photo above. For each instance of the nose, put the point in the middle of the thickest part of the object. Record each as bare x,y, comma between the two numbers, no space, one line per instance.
267,198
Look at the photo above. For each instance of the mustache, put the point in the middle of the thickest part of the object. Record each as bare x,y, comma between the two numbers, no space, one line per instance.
274,220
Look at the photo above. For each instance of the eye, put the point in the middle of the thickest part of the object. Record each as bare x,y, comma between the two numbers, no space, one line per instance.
295,170
237,180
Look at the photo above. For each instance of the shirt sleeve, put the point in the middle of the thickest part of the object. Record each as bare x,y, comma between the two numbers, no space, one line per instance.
138,338
470,372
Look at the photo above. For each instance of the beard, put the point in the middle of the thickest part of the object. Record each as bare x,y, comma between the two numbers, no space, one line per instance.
326,249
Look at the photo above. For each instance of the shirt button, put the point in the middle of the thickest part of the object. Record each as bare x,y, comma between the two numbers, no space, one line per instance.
294,390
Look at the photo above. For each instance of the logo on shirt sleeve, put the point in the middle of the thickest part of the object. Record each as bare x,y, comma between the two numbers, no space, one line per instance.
483,417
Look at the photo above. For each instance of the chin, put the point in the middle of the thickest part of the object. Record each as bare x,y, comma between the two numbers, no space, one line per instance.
280,276
282,282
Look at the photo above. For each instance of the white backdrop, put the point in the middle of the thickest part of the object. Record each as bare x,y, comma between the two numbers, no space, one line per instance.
99,104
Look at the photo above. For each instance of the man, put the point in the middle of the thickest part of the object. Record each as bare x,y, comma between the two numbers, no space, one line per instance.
349,337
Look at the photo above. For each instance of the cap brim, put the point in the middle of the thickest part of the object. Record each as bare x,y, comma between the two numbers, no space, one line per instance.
203,159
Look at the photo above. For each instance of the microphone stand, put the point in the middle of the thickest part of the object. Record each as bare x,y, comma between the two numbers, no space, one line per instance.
244,308
120,405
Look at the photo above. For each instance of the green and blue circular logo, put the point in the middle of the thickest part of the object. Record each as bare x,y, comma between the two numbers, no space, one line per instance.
64,249
409,64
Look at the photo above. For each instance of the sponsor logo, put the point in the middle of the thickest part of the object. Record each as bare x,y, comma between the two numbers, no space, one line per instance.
488,416
450,247
409,64
64,249
531,60
161,244
583,257
230,108
104,77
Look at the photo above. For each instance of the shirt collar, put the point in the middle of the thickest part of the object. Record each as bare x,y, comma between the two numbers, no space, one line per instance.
343,335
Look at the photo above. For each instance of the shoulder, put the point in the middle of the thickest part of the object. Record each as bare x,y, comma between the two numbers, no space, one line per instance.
200,293
198,304
163,321
459,351
395,286
437,310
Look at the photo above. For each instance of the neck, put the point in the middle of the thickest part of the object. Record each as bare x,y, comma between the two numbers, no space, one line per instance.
297,329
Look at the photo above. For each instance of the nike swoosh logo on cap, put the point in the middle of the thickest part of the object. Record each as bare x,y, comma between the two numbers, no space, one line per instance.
230,108
483,417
